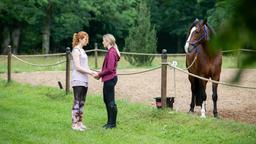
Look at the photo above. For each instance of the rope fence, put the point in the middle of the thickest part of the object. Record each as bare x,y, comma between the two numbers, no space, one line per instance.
140,72
43,55
209,80
38,65
163,67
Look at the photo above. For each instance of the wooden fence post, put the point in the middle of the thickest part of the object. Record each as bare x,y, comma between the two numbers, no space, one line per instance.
164,78
96,54
9,63
238,58
67,69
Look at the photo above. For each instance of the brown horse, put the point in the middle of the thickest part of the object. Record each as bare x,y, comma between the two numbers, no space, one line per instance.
201,61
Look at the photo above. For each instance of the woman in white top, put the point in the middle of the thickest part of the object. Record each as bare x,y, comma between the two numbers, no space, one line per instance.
79,81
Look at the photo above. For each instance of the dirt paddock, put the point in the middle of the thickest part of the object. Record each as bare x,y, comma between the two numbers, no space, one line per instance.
233,103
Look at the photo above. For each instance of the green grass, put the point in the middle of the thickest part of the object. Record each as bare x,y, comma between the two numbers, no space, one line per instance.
38,114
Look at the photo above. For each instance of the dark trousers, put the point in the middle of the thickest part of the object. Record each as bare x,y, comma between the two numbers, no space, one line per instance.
78,106
109,100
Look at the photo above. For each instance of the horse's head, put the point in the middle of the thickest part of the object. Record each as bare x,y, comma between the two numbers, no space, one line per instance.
198,34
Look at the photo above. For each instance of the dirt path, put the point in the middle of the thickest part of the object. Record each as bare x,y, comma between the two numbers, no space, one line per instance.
233,103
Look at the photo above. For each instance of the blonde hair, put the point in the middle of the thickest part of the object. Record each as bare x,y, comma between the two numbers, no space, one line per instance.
111,39
77,36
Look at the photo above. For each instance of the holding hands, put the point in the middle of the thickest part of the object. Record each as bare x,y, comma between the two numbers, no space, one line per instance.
95,75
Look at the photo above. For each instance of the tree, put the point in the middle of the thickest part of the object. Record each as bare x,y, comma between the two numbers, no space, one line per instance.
173,18
238,31
142,37
114,17
13,19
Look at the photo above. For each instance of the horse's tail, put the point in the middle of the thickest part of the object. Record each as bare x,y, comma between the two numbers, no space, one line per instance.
200,92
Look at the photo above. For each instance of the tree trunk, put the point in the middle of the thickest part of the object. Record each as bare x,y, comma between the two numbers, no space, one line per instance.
46,39
46,32
6,40
15,39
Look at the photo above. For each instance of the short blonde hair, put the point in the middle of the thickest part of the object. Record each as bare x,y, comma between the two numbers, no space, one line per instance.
111,38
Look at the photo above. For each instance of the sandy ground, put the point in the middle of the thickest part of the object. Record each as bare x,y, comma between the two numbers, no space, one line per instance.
233,103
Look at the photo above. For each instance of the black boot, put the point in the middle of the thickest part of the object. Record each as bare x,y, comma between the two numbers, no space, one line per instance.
108,113
112,116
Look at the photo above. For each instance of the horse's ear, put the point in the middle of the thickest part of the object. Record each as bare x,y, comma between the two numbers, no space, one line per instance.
205,21
195,21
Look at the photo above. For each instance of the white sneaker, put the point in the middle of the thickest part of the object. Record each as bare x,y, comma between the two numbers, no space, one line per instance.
82,125
77,127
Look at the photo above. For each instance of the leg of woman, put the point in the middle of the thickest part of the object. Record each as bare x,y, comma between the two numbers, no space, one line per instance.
75,108
109,90
82,98
105,102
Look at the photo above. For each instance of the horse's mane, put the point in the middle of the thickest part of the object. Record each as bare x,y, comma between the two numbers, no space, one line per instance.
191,26
212,31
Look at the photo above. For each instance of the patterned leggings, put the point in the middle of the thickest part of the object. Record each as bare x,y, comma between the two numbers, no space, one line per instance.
78,106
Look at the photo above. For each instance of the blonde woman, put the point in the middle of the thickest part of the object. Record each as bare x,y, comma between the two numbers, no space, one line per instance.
109,78
79,81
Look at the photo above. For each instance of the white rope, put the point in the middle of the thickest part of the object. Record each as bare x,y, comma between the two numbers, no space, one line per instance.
38,65
243,50
209,80
248,50
144,54
44,55
144,71
133,73
49,55
227,51
90,50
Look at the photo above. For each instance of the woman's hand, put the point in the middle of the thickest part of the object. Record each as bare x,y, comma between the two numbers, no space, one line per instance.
96,76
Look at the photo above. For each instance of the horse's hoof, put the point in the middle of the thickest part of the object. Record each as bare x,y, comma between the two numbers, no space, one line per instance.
203,116
191,112
216,115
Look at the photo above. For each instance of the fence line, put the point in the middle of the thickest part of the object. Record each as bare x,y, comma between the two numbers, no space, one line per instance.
209,80
144,54
164,65
38,65
134,73
43,55
125,53
140,72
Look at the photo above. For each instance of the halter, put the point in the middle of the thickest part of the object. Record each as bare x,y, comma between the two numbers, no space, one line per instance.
196,43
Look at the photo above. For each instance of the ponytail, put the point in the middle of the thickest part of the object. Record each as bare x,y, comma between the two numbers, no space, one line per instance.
77,36
75,40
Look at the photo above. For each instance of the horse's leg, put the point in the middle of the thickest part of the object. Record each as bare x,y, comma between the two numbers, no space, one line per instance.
203,106
215,98
193,90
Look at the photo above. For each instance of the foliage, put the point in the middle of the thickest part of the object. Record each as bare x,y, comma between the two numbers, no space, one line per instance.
142,38
239,31
171,19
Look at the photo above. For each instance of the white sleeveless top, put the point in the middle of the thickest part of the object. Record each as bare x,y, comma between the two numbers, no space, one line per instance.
78,78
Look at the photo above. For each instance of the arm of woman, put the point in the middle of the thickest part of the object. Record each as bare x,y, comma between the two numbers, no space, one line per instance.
110,65
76,59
